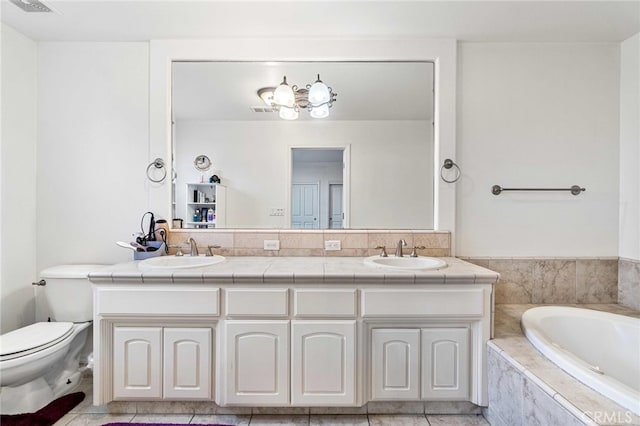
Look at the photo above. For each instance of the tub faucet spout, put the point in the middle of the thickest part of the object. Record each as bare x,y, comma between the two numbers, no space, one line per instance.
194,247
399,248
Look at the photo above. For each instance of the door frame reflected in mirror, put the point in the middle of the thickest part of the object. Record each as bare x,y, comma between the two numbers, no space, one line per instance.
346,182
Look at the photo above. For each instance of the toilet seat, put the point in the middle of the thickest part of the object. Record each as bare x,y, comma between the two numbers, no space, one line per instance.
33,338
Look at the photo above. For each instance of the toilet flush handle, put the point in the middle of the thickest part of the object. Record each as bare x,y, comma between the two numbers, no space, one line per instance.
40,283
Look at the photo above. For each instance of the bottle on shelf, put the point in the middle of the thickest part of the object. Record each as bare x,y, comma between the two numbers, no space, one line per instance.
196,216
210,215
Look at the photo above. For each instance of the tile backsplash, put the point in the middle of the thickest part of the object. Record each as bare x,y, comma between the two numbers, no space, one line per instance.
522,279
312,242
553,280
629,283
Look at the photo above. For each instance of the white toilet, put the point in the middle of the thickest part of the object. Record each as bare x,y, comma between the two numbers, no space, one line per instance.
40,362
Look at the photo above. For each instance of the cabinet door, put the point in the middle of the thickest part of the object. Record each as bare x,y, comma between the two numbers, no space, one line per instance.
395,364
137,362
323,362
187,363
445,363
257,362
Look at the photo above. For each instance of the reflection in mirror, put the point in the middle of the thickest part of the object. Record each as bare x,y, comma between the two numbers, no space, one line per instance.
317,181
380,126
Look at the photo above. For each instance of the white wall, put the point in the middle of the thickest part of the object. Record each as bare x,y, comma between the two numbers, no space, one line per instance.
391,163
18,179
630,148
93,139
538,115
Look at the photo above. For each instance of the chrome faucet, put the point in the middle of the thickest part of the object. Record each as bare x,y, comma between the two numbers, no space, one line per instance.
194,247
399,247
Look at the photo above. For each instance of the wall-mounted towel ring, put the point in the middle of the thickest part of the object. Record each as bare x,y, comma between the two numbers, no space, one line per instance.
448,164
158,163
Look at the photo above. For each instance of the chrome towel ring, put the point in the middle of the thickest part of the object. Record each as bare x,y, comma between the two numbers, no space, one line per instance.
448,164
158,163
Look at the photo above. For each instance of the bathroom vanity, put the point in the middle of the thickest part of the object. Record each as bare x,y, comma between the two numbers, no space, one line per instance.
298,331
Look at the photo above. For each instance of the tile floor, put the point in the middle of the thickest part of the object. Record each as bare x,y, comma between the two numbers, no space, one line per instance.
86,414
80,419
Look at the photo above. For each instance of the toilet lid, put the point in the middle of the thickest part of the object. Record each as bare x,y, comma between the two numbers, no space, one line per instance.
33,336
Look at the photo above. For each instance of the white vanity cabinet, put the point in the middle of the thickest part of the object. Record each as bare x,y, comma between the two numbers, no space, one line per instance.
257,368
445,364
137,362
395,364
187,366
161,363
282,362
154,341
428,363
291,339
323,364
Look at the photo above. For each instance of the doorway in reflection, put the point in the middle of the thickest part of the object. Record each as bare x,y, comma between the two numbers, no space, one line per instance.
317,193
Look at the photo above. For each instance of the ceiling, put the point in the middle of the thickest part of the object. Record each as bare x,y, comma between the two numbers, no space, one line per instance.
500,21
227,90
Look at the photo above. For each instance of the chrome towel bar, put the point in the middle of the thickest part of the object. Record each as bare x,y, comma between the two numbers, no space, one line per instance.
575,189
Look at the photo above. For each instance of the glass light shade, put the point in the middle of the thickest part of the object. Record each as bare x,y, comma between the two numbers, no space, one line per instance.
266,94
288,113
319,93
284,95
321,111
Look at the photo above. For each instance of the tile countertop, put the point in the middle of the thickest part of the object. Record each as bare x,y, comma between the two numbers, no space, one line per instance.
298,270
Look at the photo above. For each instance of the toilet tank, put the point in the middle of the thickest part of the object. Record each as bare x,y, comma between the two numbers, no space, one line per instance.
68,292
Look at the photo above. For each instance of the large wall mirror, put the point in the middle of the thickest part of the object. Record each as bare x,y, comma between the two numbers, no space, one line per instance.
369,164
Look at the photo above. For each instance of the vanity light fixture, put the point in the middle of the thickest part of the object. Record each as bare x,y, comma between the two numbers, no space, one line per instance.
316,98
32,6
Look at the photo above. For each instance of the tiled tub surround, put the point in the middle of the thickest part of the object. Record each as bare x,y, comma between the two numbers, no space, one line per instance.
527,389
556,280
629,283
311,242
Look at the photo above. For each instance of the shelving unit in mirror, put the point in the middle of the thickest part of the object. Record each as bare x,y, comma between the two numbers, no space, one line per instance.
206,204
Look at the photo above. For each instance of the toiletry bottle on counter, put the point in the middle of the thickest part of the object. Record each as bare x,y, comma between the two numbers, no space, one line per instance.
210,215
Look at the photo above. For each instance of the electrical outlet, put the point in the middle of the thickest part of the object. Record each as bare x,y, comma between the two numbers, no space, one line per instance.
272,244
332,245
276,212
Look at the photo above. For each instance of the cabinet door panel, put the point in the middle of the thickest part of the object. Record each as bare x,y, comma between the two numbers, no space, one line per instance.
187,363
257,362
395,363
323,362
137,358
445,363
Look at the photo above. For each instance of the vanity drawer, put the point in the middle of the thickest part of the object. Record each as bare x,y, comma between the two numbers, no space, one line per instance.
325,303
422,303
272,302
158,301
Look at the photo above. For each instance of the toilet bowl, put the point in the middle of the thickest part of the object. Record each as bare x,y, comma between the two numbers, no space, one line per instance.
41,362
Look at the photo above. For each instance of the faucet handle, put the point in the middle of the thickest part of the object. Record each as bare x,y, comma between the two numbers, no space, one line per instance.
413,251
383,249
211,249
179,251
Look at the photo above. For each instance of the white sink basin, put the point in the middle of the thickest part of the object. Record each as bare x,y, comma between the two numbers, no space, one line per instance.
179,262
406,262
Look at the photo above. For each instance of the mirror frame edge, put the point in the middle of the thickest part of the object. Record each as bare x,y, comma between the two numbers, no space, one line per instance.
442,52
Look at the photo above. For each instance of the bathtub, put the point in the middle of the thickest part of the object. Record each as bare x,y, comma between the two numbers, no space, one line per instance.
600,349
